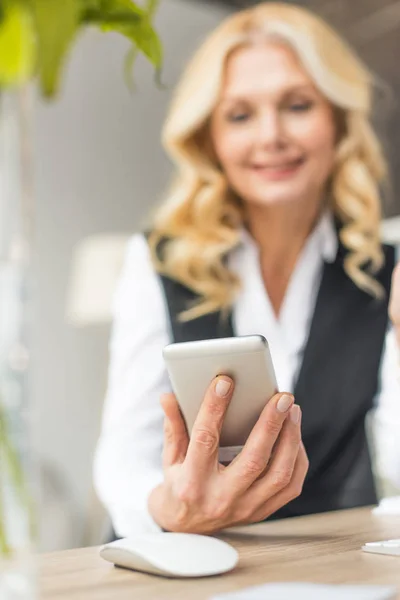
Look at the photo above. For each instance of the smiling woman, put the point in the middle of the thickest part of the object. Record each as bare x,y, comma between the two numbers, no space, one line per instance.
281,112
282,108
272,227
274,137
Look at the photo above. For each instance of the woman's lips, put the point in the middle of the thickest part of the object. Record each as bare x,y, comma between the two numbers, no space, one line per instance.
282,170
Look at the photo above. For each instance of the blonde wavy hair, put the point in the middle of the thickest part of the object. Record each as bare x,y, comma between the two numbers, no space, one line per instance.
199,221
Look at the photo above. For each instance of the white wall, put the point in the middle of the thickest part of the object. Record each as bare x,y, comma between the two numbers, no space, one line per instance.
99,167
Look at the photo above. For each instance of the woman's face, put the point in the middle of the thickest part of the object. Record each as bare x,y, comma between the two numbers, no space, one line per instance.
272,130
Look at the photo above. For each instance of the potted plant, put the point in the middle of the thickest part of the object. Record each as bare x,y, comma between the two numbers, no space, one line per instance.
35,39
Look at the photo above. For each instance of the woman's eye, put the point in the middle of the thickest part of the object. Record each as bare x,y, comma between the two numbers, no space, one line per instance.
238,117
300,106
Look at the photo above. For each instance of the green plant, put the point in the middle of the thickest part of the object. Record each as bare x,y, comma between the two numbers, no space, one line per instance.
35,39
11,463
36,35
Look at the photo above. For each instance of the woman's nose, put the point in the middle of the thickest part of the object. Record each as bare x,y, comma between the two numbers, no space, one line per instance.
270,129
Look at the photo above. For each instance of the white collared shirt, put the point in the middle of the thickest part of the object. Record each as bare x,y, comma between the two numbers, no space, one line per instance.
128,456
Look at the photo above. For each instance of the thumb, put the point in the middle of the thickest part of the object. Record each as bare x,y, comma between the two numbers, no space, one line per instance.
176,439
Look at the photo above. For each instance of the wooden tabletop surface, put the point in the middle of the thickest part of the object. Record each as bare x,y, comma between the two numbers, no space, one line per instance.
322,549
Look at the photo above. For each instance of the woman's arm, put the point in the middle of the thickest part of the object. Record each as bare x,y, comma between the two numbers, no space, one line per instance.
128,458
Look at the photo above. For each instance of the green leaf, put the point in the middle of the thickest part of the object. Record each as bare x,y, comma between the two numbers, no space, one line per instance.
57,22
129,5
11,462
146,39
149,9
102,12
143,36
125,17
134,22
17,45
128,66
90,4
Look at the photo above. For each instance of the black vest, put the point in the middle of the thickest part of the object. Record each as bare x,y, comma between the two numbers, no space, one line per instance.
336,385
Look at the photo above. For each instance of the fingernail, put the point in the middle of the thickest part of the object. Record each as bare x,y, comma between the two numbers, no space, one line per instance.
284,403
295,414
222,387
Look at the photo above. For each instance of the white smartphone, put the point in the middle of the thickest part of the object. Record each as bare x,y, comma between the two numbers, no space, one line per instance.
247,359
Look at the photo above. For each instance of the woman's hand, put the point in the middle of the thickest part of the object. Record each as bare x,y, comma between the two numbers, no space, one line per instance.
199,495
394,304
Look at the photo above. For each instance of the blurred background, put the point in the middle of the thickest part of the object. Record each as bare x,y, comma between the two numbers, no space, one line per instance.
99,168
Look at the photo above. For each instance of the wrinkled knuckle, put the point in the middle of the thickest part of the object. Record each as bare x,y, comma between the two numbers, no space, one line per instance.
273,427
181,440
188,494
245,514
281,479
206,438
168,432
223,500
181,517
295,443
295,436
216,409
254,465
219,509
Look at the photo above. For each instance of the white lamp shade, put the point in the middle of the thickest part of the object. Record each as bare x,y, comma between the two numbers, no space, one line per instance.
96,267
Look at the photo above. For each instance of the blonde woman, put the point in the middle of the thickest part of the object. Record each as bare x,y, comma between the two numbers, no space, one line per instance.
273,222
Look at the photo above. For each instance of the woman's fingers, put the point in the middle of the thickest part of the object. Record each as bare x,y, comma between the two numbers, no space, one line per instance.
202,454
176,438
280,469
278,477
256,453
290,492
271,468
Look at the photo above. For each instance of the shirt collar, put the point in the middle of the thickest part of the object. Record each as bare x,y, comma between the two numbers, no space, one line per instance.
325,231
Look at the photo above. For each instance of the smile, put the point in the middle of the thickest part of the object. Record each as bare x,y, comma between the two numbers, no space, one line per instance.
280,170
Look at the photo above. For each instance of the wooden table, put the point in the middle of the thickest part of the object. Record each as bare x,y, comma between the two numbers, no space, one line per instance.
323,549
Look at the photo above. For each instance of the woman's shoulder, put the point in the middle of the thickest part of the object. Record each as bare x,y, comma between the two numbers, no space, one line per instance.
138,282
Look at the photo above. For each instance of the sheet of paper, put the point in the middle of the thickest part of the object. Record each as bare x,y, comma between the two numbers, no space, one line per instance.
311,591
388,506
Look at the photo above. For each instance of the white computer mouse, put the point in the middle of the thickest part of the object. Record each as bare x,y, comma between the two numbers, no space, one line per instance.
172,554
